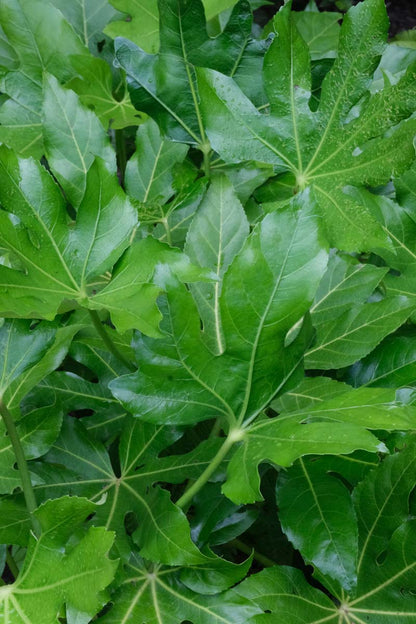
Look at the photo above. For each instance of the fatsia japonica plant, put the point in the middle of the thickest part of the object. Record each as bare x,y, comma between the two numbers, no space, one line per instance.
207,302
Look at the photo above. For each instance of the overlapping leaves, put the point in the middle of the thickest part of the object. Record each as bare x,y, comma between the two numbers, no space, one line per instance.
352,139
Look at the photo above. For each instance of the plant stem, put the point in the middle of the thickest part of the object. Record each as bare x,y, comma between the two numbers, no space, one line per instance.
11,564
207,162
107,340
187,496
265,561
21,464
121,154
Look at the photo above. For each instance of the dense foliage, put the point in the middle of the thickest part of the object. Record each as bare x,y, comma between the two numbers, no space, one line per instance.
208,296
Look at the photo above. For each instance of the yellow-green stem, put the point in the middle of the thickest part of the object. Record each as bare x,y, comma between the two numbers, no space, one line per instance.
187,496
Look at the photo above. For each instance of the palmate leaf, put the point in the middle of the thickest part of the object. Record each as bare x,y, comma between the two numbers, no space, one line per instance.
162,532
337,423
157,595
164,85
58,573
60,261
349,140
386,582
256,316
63,262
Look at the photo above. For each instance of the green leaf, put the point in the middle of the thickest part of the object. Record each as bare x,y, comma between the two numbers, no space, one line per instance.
150,172
215,236
164,85
391,364
21,348
142,27
283,592
320,30
352,139
399,223
88,18
89,470
256,316
175,217
57,572
159,596
43,41
345,283
317,515
15,525
282,441
344,340
44,365
60,261
129,296
93,82
73,138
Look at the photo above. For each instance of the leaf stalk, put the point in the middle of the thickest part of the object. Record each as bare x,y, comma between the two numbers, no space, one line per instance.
27,487
229,442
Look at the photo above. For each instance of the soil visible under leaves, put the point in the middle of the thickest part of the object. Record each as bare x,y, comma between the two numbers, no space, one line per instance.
402,13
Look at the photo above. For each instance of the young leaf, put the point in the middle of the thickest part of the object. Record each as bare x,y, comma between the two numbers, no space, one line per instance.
335,146
57,572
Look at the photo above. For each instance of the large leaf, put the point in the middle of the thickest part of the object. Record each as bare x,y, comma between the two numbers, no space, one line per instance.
164,85
61,261
343,143
86,469
58,573
215,236
256,315
158,596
